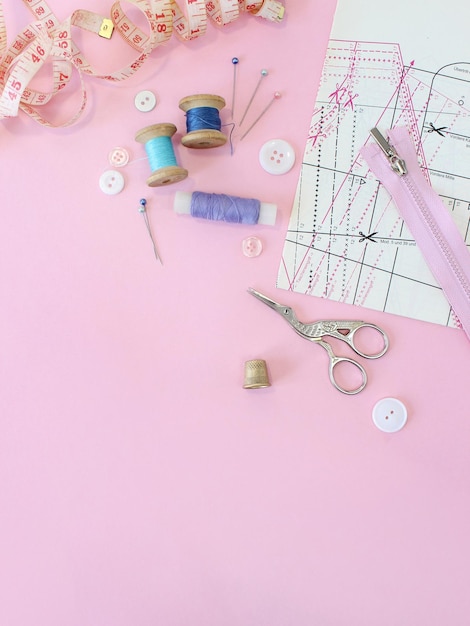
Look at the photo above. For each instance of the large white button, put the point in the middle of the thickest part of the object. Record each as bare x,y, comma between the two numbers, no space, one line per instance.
277,156
145,101
389,415
111,182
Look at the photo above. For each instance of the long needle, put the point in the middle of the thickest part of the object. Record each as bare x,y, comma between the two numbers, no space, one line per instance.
263,74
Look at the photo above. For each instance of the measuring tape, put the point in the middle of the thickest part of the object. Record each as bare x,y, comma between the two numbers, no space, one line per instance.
269,9
49,39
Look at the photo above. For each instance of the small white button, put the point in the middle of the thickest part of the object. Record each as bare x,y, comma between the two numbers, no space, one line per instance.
277,156
252,246
111,182
389,415
118,157
145,101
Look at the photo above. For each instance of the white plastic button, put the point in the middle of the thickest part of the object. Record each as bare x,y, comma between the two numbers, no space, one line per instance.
145,101
389,415
252,246
118,157
111,182
277,156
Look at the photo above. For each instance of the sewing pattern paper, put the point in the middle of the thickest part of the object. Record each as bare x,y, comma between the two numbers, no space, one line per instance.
387,64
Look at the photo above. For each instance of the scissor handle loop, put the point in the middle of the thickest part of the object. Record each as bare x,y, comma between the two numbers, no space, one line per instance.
336,360
354,328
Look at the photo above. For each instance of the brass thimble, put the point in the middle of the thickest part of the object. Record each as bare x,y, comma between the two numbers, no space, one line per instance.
256,374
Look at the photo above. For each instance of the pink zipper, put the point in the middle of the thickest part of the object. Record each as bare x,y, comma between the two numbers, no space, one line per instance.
396,166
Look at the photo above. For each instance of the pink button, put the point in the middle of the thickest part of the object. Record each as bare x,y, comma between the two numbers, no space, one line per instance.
252,246
118,157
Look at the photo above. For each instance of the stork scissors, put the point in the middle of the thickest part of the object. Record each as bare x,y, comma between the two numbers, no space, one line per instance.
338,329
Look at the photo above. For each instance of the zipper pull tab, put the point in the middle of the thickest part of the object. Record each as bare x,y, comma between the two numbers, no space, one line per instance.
397,164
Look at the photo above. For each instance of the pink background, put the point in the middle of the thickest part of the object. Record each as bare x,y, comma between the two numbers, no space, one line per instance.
139,482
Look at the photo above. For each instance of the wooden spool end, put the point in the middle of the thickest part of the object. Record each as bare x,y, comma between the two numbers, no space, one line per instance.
155,130
167,176
202,100
203,139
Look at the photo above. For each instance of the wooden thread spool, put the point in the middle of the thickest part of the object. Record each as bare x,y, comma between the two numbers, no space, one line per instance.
206,137
165,170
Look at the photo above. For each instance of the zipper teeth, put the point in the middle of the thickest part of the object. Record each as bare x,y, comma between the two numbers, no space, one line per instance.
437,234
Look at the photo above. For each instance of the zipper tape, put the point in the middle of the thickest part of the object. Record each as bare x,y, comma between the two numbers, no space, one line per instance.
48,39
396,166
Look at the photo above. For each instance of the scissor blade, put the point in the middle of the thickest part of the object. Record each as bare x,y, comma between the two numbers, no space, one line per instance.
265,299
287,312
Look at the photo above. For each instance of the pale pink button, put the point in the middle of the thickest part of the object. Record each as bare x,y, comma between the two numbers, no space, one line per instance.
252,246
118,157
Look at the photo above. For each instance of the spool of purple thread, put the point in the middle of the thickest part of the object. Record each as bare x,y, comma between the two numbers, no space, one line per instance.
225,208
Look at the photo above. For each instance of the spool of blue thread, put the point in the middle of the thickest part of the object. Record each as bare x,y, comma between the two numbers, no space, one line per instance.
162,159
203,121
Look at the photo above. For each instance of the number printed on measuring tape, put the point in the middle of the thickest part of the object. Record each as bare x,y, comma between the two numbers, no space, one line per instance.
223,13
272,10
48,38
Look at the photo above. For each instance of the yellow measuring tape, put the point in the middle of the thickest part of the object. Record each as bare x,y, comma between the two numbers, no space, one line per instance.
49,39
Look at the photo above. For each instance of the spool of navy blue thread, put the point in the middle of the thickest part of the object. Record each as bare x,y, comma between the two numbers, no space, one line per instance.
203,121
202,118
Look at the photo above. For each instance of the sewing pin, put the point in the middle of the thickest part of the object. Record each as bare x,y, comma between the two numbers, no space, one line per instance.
235,63
143,210
276,96
263,74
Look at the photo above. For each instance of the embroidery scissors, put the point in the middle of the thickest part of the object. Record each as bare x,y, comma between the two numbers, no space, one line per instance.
344,330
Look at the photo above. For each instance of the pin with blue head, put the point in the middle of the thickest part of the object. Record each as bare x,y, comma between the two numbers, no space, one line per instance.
235,62
143,211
